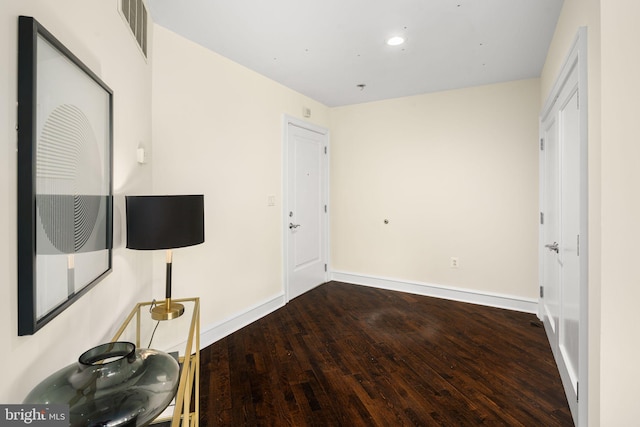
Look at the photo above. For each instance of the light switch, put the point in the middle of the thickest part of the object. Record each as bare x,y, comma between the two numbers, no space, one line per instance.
141,155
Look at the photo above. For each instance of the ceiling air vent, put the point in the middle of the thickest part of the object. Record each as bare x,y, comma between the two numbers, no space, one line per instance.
135,13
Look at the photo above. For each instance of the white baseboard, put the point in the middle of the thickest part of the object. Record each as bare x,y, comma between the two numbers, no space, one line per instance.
217,331
456,294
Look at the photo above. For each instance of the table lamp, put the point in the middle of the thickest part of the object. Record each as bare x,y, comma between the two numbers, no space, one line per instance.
165,222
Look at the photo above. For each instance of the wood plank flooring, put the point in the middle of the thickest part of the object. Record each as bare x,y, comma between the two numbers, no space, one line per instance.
346,355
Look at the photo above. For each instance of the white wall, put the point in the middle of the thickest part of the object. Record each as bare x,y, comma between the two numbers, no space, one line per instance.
577,13
456,175
217,131
95,32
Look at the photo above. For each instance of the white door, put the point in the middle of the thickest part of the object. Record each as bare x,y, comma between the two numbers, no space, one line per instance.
306,212
569,322
560,231
550,221
563,233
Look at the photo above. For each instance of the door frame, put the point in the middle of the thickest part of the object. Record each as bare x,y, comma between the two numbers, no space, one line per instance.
576,59
286,121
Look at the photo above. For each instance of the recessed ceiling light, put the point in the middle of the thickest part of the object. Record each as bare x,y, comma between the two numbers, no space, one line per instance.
395,41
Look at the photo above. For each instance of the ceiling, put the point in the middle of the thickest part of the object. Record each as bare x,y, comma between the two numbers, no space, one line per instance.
325,49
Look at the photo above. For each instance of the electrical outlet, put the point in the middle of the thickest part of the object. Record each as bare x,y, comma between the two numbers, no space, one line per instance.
453,262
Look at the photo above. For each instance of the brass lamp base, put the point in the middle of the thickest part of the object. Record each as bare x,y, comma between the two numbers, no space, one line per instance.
167,311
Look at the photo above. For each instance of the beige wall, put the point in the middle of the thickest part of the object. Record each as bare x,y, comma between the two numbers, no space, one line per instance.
454,172
218,132
620,280
456,175
614,200
95,32
575,14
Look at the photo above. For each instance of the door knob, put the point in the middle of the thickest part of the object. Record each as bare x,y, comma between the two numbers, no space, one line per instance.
553,247
292,226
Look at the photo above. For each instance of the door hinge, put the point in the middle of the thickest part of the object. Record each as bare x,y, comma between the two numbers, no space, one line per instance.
541,291
541,144
577,391
541,218
578,245
325,149
325,208
325,268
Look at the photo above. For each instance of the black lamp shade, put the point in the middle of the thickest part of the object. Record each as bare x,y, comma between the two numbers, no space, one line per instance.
164,222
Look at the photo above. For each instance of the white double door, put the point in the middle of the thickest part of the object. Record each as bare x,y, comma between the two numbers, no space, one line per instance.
306,208
563,233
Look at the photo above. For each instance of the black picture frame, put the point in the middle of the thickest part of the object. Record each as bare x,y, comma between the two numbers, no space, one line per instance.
65,177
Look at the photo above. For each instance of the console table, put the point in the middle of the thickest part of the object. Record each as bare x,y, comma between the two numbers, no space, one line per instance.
179,337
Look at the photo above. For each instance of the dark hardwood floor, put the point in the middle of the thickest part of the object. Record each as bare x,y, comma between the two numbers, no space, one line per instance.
346,355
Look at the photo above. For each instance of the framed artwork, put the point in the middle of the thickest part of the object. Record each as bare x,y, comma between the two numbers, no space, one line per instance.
65,195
